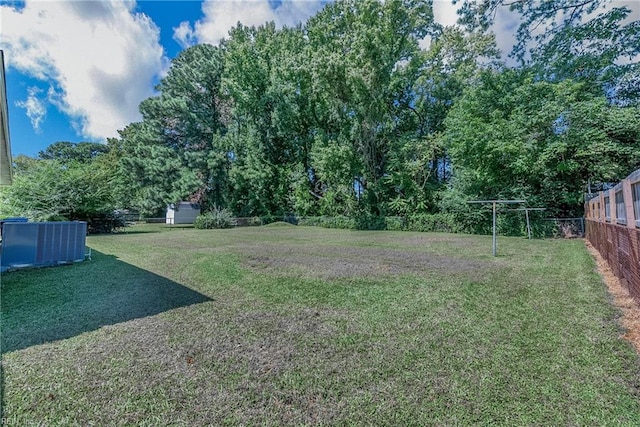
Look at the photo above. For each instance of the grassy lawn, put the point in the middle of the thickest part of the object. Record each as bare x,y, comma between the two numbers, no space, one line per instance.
284,325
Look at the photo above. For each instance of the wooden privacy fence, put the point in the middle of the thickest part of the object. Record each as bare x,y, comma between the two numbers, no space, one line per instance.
613,228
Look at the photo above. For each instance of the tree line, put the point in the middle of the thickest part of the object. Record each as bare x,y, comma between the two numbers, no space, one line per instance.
349,114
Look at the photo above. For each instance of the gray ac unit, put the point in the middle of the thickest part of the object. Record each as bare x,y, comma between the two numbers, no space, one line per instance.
39,244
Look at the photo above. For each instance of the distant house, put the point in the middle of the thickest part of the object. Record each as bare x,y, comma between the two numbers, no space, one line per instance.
6,167
182,213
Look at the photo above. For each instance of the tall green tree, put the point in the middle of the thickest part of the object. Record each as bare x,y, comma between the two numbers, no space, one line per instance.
65,181
356,51
50,189
68,151
270,130
170,156
419,166
517,137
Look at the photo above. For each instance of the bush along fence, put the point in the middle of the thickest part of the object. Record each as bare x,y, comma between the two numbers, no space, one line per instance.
613,228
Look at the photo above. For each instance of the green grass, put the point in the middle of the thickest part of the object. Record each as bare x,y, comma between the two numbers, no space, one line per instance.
307,326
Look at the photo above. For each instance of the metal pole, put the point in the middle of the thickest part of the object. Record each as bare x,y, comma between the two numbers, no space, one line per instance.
526,213
494,230
494,203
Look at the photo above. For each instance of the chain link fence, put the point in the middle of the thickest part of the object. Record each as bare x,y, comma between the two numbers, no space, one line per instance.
566,228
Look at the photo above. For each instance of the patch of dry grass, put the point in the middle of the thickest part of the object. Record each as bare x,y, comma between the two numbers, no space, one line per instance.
630,320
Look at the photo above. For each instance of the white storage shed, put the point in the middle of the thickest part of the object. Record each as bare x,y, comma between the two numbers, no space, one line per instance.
182,213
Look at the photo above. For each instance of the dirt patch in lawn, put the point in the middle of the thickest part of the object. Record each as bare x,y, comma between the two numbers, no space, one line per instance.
333,262
426,240
621,299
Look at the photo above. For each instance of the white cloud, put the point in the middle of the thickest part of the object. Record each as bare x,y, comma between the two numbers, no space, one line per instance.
222,15
36,109
505,27
445,12
185,35
100,57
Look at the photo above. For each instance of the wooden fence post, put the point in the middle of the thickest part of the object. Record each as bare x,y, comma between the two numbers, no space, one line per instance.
628,202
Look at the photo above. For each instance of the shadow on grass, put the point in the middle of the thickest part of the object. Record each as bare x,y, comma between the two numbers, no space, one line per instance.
49,304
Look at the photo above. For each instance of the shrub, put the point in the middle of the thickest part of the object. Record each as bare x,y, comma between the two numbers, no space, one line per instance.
370,222
444,222
217,218
56,218
395,223
311,221
101,223
426,222
342,222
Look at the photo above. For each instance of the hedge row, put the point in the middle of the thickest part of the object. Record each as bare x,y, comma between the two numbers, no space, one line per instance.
508,225
435,222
